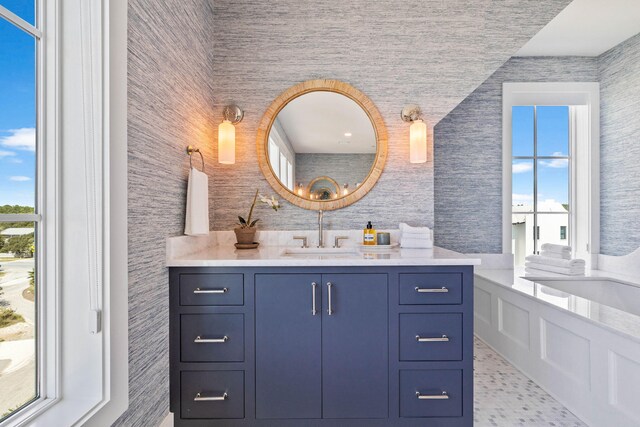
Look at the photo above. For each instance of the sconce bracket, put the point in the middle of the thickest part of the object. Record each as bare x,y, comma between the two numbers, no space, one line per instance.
411,113
233,113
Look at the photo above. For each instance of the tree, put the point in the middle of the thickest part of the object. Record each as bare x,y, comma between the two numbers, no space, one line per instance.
20,246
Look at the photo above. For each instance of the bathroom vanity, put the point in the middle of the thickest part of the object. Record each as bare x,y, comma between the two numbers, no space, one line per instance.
269,338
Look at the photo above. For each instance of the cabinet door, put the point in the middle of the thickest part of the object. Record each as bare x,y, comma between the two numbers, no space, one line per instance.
288,365
355,346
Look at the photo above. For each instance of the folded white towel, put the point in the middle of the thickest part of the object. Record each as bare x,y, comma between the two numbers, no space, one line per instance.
411,243
579,271
561,249
557,255
414,232
555,261
528,271
197,215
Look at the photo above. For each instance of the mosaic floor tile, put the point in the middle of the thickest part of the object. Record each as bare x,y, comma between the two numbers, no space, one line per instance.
504,397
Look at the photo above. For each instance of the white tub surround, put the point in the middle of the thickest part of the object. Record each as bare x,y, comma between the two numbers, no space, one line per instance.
579,340
217,250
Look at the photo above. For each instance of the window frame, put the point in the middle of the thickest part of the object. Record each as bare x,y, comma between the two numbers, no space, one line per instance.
584,216
98,393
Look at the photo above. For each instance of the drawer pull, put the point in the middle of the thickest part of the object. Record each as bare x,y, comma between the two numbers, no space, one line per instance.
200,398
313,298
199,340
444,338
443,396
441,290
330,309
210,291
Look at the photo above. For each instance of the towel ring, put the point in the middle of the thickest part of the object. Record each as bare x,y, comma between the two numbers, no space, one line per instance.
190,151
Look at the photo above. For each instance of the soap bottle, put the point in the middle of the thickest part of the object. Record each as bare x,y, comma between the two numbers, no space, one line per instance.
369,237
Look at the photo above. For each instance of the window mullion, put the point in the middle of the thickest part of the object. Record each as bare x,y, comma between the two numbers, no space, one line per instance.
535,179
19,22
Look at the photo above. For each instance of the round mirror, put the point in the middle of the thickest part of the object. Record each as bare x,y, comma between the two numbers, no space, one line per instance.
322,144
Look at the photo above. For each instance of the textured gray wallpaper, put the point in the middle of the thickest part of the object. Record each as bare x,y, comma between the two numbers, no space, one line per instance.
344,168
433,53
620,148
468,154
170,106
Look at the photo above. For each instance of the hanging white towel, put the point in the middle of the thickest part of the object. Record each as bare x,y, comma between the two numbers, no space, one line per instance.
197,216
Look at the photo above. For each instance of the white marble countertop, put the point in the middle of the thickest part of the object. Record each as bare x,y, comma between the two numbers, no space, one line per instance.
612,318
275,256
217,250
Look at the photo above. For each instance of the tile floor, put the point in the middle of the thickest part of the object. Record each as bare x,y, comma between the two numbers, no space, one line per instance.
504,397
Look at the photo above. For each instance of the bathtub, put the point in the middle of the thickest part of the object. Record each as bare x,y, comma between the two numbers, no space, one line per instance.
578,338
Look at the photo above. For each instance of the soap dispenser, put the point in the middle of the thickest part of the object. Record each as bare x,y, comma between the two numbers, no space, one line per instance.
369,237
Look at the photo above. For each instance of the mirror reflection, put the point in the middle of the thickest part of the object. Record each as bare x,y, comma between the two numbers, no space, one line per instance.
322,145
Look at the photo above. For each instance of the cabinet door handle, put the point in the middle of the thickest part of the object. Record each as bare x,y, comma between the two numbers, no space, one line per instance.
201,398
330,308
313,299
210,291
443,396
441,290
199,340
444,338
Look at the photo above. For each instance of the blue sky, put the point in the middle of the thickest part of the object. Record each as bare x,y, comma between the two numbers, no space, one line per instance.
553,140
17,108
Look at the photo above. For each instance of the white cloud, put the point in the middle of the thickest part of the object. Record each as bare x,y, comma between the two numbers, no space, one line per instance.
4,153
555,163
21,139
522,167
19,178
518,199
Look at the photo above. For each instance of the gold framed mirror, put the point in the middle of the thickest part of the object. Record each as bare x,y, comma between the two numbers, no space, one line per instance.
325,134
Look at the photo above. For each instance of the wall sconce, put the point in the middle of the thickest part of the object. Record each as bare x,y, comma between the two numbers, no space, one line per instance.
345,190
227,134
300,189
417,134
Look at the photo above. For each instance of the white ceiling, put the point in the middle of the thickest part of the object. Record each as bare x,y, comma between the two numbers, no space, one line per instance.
586,28
316,122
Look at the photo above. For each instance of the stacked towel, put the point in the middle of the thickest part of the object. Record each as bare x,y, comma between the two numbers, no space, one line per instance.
572,267
197,216
415,237
550,250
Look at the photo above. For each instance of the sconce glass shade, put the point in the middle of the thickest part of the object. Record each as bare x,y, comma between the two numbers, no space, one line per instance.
226,143
418,142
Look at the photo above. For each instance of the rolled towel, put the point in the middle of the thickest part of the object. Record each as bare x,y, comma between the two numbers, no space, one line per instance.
557,255
197,215
555,261
411,243
575,271
560,249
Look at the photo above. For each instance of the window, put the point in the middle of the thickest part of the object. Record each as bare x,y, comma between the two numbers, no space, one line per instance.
44,93
550,134
20,212
540,176
281,165
563,232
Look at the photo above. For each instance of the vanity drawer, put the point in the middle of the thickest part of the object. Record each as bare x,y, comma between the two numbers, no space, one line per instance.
212,394
431,393
211,289
212,337
431,288
431,336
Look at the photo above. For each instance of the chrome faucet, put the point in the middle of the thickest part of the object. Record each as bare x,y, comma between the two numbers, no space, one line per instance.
320,228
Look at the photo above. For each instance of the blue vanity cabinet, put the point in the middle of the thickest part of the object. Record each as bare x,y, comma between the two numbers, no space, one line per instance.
352,346
355,350
288,346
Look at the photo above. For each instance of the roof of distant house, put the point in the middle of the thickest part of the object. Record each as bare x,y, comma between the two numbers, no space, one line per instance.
17,231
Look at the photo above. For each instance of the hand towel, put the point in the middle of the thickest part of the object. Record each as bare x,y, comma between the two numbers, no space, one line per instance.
560,249
197,215
557,255
414,232
555,261
573,271
411,243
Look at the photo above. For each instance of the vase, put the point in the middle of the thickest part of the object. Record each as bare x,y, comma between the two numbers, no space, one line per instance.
245,236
